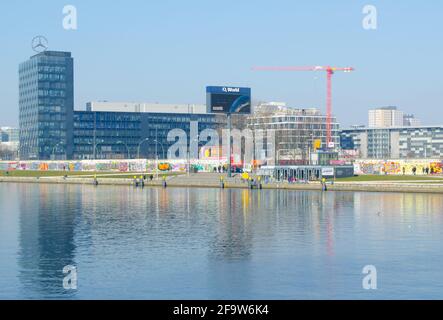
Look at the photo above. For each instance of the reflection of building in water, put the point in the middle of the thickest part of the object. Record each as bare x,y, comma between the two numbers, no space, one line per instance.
46,239
407,204
233,239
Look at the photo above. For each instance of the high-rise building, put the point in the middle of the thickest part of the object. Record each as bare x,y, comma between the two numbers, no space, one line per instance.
46,106
385,117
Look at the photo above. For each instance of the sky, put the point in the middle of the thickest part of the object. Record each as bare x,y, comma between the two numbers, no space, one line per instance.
168,51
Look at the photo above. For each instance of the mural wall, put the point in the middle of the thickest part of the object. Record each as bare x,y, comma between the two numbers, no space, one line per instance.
398,167
110,165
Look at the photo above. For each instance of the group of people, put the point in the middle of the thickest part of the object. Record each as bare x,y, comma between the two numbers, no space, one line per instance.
220,169
425,171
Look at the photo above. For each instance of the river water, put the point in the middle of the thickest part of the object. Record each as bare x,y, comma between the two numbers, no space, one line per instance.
127,243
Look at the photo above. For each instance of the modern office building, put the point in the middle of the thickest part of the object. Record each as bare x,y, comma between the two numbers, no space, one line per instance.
105,106
394,143
120,135
8,134
51,129
295,130
46,106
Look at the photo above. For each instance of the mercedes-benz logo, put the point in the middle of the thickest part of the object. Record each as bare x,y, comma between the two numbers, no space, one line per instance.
39,44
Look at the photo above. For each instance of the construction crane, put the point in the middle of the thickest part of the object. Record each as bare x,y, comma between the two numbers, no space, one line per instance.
329,73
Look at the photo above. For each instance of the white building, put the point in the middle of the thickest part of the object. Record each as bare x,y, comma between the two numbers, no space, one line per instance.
386,117
390,117
104,106
296,130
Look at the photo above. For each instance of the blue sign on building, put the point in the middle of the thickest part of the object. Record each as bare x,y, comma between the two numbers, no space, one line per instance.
228,100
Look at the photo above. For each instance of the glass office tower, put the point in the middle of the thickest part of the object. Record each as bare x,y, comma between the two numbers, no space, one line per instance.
46,102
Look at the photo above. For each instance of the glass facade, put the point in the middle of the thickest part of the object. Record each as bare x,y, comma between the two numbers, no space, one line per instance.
122,135
46,106
395,143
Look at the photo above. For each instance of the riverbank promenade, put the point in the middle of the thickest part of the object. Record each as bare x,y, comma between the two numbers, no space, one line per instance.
214,180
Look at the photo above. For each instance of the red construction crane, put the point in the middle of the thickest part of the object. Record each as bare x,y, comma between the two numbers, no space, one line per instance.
329,72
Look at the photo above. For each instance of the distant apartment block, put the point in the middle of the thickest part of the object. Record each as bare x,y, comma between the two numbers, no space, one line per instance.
394,143
409,120
385,117
8,134
391,117
9,140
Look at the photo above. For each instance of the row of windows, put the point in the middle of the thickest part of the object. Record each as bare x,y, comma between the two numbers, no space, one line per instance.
51,93
51,77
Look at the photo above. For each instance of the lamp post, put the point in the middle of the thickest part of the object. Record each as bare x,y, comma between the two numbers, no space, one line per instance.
161,145
95,150
139,146
156,155
53,149
189,153
127,148
229,145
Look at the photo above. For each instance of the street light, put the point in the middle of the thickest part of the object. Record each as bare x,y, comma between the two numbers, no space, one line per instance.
139,146
161,145
156,155
95,149
197,138
53,149
121,142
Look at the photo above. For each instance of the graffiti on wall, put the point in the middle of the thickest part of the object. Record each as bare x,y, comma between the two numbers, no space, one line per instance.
396,167
111,165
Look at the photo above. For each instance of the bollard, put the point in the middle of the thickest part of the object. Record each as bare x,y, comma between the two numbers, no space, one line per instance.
142,182
260,185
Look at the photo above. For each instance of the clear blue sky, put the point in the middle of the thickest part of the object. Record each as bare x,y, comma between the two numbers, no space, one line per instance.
169,50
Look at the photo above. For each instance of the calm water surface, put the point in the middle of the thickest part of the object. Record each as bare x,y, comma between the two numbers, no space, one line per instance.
217,244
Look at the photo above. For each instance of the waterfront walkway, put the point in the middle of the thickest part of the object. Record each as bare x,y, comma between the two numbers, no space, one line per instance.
213,180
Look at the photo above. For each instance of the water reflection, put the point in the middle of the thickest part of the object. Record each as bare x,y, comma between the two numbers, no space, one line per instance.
233,244
47,222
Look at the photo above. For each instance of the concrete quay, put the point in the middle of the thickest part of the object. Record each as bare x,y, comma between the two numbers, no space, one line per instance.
212,180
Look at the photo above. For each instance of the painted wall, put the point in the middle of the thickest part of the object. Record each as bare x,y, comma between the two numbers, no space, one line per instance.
110,165
395,167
